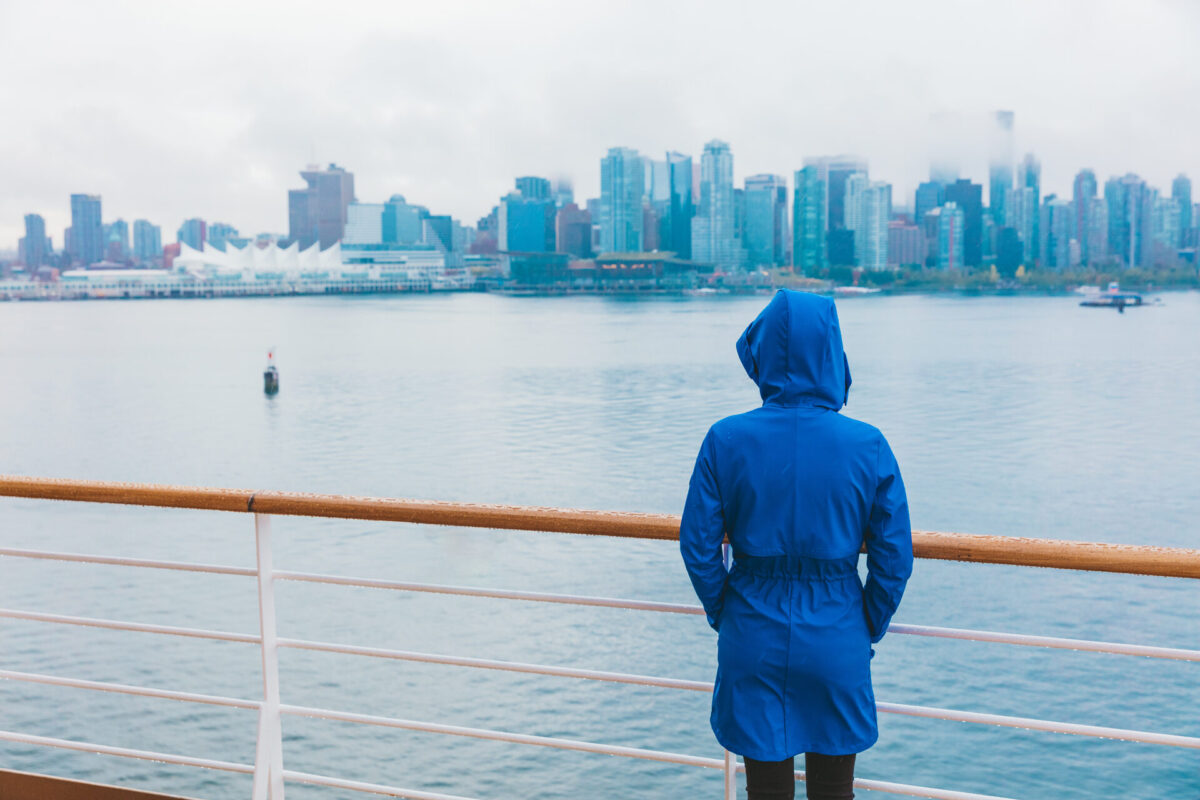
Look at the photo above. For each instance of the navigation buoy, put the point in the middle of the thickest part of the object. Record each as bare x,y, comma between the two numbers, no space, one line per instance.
271,375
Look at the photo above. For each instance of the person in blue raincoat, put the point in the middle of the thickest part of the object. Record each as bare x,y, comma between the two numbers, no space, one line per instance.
798,489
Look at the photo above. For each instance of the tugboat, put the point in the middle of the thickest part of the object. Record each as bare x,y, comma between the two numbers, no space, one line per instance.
1113,298
271,375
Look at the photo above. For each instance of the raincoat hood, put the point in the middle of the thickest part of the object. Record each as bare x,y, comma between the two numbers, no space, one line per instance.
793,351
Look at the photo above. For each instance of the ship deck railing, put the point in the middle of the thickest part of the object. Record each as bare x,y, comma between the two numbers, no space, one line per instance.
268,770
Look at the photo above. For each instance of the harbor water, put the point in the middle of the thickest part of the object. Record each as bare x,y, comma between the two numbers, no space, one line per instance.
1021,416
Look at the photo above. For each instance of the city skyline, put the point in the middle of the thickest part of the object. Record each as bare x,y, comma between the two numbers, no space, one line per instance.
422,110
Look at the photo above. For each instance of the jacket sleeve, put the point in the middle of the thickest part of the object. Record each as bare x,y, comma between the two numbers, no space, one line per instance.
701,532
889,545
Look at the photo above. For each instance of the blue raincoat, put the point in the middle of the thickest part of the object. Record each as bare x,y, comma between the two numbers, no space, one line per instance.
798,489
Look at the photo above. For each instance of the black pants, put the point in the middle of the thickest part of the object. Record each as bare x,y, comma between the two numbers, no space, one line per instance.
825,778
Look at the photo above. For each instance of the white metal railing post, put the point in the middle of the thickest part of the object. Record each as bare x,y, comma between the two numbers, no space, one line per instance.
730,776
268,757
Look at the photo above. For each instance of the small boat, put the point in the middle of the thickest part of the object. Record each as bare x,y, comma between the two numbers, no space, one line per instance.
271,375
1113,298
854,291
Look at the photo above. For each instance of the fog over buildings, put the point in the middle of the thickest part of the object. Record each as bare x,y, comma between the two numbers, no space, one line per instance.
173,111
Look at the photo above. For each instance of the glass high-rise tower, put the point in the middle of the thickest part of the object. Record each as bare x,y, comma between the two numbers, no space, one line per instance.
808,222
622,184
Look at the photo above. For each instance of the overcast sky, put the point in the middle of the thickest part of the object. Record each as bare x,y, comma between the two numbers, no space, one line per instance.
172,109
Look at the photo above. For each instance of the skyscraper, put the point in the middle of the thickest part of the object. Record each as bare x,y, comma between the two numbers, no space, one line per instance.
527,223
193,232
1181,193
116,240
868,209
219,234
968,198
574,231
1030,177
766,220
1083,197
676,226
534,188
34,251
930,195
1097,233
317,213
1022,217
833,171
147,241
951,231
86,245
622,185
1127,223
714,239
808,222
1000,167
1055,227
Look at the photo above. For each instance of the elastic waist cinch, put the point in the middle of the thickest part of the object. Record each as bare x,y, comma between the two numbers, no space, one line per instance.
801,567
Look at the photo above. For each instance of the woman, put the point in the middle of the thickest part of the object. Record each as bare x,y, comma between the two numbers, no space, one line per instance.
798,489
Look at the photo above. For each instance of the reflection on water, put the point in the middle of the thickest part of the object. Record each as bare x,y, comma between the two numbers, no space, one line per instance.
1020,416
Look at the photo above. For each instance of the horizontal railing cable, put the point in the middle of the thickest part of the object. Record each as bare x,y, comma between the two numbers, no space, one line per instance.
369,788
591,747
125,752
182,566
1019,551
929,712
965,634
962,634
140,627
121,688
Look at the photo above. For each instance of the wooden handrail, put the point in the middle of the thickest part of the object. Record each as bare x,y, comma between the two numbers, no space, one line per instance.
1170,562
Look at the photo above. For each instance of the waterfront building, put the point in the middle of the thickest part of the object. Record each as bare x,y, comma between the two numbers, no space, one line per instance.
574,231
714,239
929,195
675,219
808,222
834,171
534,188
442,232
193,232
364,224
147,241
526,223
906,245
765,222
968,198
318,212
867,211
403,223
1083,197
1181,193
1055,228
622,185
1030,177
951,236
85,242
34,247
1000,167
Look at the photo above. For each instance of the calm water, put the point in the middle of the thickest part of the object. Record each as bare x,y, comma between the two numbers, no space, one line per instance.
1016,416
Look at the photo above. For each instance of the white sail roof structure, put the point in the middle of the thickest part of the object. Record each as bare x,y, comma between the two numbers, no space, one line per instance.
253,259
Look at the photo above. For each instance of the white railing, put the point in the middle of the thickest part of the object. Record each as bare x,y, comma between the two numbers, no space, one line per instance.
269,774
